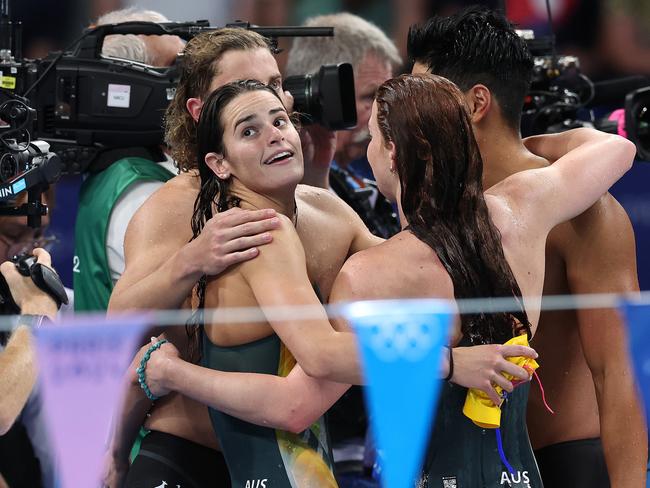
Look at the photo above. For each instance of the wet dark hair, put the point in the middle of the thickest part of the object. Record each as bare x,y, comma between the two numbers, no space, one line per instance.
440,171
214,191
477,46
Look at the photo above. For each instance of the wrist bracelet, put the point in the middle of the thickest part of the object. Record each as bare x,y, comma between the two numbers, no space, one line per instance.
451,364
32,320
142,378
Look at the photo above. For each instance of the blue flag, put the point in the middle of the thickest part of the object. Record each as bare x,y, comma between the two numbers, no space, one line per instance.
400,343
638,324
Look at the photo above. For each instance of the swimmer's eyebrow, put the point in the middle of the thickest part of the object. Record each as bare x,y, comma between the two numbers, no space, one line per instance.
244,119
250,117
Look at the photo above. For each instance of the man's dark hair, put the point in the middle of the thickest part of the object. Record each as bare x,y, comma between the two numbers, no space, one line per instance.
477,46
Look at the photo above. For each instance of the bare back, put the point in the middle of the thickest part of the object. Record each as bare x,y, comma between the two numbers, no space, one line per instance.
524,207
406,267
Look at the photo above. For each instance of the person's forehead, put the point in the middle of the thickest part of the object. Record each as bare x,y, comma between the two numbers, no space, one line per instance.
257,103
253,64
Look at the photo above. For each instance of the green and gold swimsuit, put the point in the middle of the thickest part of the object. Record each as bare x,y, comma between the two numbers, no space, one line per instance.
260,457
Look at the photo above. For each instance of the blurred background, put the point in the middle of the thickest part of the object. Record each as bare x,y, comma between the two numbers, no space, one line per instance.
611,37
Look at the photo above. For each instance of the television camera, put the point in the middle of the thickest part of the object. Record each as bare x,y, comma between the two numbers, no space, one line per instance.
562,98
85,108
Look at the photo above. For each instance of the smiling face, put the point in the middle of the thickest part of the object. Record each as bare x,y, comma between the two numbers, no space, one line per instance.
261,145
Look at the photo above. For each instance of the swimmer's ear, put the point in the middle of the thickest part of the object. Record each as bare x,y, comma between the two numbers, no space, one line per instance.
479,100
393,156
194,106
218,165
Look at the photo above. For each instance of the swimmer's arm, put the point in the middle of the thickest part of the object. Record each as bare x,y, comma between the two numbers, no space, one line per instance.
289,403
362,237
587,163
18,368
604,261
159,257
278,278
17,376
130,416
474,367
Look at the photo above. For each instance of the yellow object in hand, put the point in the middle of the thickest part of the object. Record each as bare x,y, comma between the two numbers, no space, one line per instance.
478,406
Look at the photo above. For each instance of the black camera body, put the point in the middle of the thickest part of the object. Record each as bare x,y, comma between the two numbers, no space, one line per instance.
43,277
86,103
25,165
85,106
559,92
326,98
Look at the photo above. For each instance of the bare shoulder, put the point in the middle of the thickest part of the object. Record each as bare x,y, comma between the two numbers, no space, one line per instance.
504,217
169,207
607,213
334,215
602,233
180,190
162,225
284,250
359,277
401,267
522,191
322,199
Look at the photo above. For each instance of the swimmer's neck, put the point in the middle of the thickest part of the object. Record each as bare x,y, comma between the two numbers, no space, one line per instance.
282,201
503,153
398,200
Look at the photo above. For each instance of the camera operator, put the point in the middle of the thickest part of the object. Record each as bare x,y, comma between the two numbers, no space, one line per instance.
17,368
109,199
374,59
17,379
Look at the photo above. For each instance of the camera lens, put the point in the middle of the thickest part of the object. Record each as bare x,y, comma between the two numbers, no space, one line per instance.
326,98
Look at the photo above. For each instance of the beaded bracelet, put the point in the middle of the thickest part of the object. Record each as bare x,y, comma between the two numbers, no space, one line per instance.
142,379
